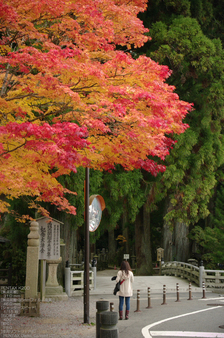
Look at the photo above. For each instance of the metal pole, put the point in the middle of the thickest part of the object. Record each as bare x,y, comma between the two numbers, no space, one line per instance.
164,295
149,300
203,289
178,295
190,298
86,262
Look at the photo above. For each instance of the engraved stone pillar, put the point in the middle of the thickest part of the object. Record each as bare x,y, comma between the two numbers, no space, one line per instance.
32,261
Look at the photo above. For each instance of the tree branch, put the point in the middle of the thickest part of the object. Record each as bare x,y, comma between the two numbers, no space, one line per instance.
10,151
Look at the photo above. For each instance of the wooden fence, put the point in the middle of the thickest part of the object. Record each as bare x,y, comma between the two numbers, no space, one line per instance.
194,274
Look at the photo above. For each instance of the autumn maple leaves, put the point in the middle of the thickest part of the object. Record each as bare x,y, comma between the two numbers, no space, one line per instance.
70,97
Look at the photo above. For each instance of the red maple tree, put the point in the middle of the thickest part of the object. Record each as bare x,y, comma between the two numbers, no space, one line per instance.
72,95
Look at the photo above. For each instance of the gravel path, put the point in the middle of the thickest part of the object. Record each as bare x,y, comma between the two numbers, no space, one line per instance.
63,319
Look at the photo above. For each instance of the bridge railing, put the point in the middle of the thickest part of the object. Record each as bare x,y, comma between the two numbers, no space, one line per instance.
194,274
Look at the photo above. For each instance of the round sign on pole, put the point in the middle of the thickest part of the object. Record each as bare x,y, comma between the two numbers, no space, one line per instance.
96,206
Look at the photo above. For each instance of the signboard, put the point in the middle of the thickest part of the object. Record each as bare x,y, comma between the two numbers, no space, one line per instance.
49,231
126,256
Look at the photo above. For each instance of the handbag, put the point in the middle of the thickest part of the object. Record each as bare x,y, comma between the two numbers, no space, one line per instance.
117,287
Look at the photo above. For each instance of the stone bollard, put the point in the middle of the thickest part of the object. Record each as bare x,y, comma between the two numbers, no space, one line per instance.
101,306
108,327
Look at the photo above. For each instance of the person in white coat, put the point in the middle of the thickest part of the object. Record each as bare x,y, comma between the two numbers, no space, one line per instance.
126,277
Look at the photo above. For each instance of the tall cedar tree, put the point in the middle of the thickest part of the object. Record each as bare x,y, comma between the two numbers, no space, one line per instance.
196,59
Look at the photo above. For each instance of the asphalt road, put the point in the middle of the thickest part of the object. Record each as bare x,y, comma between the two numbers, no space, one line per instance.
187,318
199,317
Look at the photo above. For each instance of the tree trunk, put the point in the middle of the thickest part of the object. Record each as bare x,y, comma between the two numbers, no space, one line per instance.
175,242
143,242
69,250
111,247
181,242
125,228
167,243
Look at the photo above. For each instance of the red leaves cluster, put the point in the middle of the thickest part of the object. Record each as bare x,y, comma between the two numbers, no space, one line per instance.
69,98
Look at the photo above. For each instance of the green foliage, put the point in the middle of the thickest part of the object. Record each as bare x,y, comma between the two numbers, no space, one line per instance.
212,236
196,62
119,188
14,252
73,182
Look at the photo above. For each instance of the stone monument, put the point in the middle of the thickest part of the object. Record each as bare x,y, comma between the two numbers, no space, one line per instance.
49,252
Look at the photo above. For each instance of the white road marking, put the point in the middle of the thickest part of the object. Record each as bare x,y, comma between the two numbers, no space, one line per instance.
186,334
145,330
208,299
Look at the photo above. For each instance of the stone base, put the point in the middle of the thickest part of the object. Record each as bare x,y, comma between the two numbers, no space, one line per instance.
55,293
53,290
56,298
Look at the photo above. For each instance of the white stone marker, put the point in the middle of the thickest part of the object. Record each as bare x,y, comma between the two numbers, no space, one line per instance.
32,261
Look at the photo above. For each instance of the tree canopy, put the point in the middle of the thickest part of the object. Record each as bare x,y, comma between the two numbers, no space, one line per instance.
196,60
72,95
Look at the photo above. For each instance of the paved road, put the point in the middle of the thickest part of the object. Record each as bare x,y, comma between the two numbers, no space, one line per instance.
198,317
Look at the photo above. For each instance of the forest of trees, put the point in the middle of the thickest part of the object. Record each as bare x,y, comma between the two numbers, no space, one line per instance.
179,209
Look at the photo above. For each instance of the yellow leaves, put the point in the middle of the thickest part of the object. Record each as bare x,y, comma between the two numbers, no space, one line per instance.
121,239
4,50
4,206
65,70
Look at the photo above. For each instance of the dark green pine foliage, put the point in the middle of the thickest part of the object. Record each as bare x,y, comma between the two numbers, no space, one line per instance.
121,188
14,252
197,64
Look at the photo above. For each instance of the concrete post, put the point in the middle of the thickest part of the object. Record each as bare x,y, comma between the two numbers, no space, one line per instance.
68,280
101,306
32,261
109,325
94,276
201,274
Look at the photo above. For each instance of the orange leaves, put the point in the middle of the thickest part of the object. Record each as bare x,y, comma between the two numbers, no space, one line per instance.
62,80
